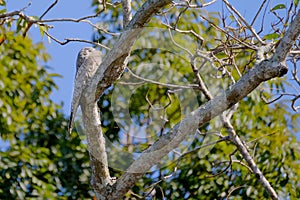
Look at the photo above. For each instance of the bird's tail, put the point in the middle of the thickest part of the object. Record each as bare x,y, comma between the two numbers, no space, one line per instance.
70,125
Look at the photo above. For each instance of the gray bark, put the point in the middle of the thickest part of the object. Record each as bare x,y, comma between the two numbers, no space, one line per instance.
111,68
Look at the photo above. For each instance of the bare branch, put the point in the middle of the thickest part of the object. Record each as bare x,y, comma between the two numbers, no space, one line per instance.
246,155
226,168
293,100
189,5
295,72
258,12
185,32
31,23
288,40
28,5
295,52
295,108
67,40
199,80
100,179
223,138
162,84
110,69
232,190
261,72
49,8
178,45
250,46
272,101
244,21
76,20
11,14
40,22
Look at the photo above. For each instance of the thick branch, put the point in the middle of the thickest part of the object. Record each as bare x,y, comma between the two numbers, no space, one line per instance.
113,63
96,146
110,69
286,43
261,72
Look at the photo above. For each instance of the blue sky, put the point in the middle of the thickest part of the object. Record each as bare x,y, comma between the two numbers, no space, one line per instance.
64,57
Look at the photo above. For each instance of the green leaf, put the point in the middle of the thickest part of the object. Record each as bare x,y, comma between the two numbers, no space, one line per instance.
55,75
296,2
42,30
2,11
278,7
19,26
2,3
271,36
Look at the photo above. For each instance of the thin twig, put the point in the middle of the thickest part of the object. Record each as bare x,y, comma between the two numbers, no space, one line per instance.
295,108
226,168
41,22
188,86
178,45
232,190
266,135
250,46
187,4
48,9
244,21
31,23
295,72
184,31
67,40
223,139
201,84
257,13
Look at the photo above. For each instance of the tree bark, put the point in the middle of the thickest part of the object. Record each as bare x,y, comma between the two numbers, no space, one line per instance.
265,70
112,67
108,72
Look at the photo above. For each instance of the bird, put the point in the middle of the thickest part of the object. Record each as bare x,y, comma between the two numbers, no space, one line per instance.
88,60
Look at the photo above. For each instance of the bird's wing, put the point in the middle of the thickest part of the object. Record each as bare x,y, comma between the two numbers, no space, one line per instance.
85,70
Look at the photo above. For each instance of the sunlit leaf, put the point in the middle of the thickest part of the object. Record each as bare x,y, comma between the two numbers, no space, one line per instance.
278,7
2,2
2,11
271,36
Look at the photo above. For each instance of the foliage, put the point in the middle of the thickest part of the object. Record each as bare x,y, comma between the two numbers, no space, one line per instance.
267,137
41,160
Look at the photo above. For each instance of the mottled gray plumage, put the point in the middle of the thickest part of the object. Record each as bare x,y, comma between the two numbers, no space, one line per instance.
88,60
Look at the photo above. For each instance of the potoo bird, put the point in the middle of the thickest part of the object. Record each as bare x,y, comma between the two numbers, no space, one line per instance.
88,60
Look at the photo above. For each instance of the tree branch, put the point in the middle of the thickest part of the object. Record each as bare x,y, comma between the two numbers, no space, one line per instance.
246,155
108,72
263,71
244,21
96,146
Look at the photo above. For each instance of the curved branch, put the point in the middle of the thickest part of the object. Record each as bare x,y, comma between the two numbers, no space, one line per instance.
107,73
261,72
114,62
